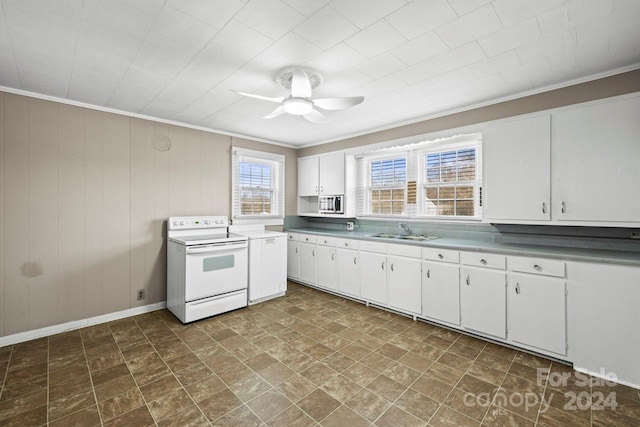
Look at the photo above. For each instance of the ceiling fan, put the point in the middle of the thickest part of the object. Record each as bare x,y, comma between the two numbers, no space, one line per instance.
301,82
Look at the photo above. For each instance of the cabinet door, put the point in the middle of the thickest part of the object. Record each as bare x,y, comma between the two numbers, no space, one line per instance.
308,263
373,277
517,170
595,157
332,174
308,176
441,292
293,259
348,271
483,303
405,284
537,312
267,273
327,271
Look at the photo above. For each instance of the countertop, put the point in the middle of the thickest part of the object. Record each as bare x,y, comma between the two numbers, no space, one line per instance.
555,252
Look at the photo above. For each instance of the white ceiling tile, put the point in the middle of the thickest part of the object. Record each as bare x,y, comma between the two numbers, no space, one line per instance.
162,56
469,27
376,39
8,69
514,11
293,49
626,7
137,89
420,48
366,13
44,80
213,12
585,11
272,18
560,42
182,28
553,20
463,7
421,16
563,64
326,28
501,62
207,104
418,72
452,78
383,85
345,83
459,57
381,65
511,37
419,89
338,58
484,88
306,7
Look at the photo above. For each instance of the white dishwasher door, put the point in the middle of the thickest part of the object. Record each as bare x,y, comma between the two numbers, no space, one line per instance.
267,267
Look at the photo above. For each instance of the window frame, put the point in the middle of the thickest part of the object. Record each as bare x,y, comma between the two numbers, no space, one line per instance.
277,164
370,188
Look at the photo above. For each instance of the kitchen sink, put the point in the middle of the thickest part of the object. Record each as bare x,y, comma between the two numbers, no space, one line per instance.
403,237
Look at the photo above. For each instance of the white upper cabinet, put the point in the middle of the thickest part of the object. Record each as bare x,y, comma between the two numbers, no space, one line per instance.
517,170
596,154
579,168
322,175
308,171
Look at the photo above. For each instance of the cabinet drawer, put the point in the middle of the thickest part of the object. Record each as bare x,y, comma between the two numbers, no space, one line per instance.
546,267
404,250
294,237
373,246
346,243
444,255
307,238
484,260
326,241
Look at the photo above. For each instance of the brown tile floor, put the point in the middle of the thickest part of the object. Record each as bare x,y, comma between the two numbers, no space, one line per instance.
305,359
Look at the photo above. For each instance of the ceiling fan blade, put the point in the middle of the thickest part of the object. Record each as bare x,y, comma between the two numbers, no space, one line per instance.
316,116
300,85
275,113
264,98
338,103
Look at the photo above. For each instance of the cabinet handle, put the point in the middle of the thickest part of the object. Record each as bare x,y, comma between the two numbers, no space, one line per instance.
382,265
544,208
468,281
563,207
440,256
517,288
306,238
536,267
325,242
296,250
313,253
354,260
333,257
483,261
321,189
346,244
392,267
428,273
316,188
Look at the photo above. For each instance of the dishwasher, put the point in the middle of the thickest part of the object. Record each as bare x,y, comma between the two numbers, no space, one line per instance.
267,262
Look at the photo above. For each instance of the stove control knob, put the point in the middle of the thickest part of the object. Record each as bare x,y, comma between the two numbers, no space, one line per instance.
217,221
207,221
175,223
181,222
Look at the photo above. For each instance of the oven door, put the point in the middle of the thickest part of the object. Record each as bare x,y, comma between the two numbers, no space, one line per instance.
215,269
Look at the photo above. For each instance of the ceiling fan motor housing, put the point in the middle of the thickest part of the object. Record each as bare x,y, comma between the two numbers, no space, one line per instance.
285,76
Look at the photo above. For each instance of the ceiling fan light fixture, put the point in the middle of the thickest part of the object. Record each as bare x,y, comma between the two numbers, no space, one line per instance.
298,107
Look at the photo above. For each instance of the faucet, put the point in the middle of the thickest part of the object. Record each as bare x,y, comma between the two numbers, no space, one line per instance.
405,228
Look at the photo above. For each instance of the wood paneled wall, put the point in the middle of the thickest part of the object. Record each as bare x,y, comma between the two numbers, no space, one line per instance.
84,200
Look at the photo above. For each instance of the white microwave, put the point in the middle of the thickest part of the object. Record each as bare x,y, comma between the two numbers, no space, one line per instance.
331,204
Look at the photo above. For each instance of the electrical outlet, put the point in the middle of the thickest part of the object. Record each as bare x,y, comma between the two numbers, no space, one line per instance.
351,225
140,294
635,234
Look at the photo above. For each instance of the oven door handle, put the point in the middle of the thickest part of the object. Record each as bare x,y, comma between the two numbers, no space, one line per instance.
216,247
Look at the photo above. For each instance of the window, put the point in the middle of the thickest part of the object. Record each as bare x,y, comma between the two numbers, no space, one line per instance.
429,179
258,186
387,182
450,183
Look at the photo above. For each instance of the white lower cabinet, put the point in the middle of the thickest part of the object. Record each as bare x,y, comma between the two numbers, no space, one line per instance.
537,312
348,271
441,291
373,277
327,270
308,263
483,300
405,281
293,258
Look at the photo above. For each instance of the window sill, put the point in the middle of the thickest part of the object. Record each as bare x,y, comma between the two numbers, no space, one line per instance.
440,220
257,220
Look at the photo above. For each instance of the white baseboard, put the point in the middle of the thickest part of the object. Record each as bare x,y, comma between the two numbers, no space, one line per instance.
77,324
